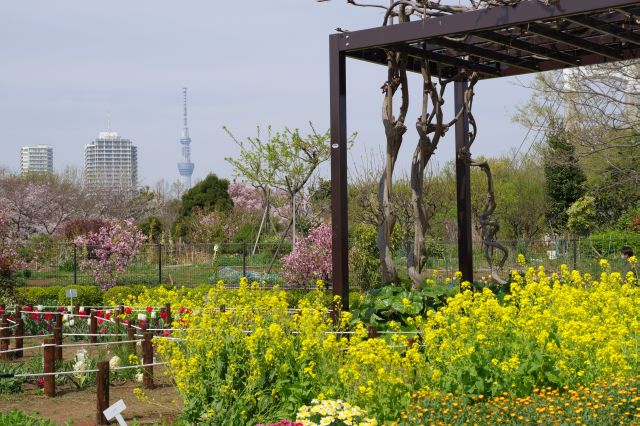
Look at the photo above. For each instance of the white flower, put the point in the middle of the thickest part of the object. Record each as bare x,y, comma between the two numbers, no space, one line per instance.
216,248
71,322
70,308
40,307
114,362
139,377
153,314
81,309
89,321
81,355
142,317
65,317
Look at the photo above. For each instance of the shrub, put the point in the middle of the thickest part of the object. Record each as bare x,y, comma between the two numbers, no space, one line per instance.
121,294
310,258
38,295
88,295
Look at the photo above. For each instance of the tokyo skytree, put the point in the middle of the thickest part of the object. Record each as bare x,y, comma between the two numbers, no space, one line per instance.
185,167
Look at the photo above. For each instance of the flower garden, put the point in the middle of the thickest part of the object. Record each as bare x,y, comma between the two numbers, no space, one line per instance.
557,348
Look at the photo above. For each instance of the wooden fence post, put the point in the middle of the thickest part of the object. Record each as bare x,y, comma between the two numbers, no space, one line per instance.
18,333
4,336
102,392
57,336
93,327
49,367
147,358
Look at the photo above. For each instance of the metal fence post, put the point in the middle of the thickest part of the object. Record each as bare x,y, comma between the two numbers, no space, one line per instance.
75,265
244,259
575,254
159,263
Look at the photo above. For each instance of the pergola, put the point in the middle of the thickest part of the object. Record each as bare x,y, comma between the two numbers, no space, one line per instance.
532,36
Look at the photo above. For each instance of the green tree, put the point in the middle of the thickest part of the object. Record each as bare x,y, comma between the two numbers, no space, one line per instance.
564,178
208,194
581,216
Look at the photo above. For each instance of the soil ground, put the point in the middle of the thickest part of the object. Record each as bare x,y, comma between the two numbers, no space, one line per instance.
78,408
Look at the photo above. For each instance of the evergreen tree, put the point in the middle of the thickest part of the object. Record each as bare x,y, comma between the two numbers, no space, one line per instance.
564,178
208,194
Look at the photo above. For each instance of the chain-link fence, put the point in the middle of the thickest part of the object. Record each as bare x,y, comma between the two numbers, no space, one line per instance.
583,254
180,264
195,264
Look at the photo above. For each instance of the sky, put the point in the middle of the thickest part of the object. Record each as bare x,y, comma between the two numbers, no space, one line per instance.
68,64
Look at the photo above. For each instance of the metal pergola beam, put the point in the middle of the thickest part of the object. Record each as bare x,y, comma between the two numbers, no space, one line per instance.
491,55
477,20
574,41
516,43
606,28
451,61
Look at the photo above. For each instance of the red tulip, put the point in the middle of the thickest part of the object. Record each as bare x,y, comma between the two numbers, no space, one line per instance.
127,310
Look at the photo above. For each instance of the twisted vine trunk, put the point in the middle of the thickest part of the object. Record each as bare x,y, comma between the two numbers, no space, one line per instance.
394,130
421,156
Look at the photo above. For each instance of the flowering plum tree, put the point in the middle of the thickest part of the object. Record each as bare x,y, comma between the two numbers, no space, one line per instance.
9,260
111,250
310,258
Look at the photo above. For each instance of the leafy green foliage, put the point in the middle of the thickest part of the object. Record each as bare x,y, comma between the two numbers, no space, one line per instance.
581,216
208,194
18,417
391,303
564,177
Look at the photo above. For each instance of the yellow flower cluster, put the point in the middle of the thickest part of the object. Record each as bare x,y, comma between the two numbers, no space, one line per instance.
330,412
563,329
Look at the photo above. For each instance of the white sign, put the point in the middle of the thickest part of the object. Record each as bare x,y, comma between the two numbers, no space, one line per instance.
114,412
71,293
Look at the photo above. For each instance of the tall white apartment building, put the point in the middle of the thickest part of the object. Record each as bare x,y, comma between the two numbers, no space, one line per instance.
111,162
36,159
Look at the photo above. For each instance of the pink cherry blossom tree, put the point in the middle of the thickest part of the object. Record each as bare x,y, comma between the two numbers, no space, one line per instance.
310,258
111,250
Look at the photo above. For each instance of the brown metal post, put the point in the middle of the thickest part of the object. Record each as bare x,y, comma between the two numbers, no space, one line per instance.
93,327
19,332
463,187
338,116
168,311
372,332
102,392
4,337
76,309
57,336
49,367
147,358
131,334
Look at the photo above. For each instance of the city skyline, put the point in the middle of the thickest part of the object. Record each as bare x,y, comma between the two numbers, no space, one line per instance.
58,87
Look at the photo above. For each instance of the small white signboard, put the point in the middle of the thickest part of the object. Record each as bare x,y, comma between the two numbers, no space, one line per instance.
71,293
115,412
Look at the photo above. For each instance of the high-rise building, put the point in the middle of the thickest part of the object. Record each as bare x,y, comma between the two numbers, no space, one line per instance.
111,162
185,167
36,159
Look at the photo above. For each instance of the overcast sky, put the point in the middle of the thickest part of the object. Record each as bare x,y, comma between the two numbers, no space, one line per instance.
65,64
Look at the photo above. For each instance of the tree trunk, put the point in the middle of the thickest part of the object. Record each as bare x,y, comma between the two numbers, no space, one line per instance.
394,131
421,156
